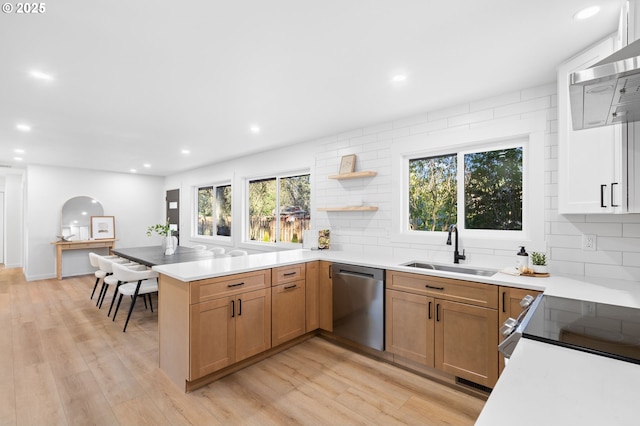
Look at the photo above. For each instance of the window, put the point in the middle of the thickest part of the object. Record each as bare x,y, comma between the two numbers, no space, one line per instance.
481,189
214,211
279,209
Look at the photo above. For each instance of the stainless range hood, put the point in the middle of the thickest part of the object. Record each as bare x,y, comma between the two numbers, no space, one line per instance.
608,92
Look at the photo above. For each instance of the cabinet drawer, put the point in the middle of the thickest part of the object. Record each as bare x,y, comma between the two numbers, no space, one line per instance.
215,288
287,274
473,293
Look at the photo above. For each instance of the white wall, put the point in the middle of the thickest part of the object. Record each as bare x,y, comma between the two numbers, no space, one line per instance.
618,236
299,157
136,201
14,219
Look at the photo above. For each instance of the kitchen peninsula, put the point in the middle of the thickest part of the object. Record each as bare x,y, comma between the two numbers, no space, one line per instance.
520,372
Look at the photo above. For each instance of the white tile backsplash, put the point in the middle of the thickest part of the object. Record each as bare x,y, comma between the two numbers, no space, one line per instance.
618,236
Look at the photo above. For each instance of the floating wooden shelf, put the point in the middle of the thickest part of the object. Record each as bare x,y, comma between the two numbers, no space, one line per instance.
353,175
349,209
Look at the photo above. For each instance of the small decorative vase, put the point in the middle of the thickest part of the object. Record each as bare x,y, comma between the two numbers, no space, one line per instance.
540,269
169,245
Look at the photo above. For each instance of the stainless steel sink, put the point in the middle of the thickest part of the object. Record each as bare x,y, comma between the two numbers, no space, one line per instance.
451,268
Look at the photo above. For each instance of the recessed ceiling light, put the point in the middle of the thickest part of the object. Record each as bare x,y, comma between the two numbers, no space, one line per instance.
18,151
133,170
185,151
255,129
39,75
17,158
146,165
586,13
398,78
23,127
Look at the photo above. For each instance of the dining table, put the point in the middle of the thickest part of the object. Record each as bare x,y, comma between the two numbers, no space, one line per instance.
154,255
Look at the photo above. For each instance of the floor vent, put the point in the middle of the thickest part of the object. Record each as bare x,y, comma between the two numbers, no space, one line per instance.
469,383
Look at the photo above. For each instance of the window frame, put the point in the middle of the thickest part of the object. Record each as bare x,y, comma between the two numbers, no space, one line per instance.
527,133
211,238
245,211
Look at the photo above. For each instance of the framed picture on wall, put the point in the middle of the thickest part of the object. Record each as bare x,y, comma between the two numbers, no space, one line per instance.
347,164
103,227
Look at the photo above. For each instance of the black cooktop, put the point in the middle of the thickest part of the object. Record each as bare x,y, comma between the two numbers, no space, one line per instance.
599,328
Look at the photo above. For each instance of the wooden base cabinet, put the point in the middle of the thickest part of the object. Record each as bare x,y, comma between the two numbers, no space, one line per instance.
466,343
325,294
409,326
229,330
288,304
312,295
451,336
207,325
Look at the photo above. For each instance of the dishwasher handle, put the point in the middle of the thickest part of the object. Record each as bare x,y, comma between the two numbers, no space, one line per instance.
356,273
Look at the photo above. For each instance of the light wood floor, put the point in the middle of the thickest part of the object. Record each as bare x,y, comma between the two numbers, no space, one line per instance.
63,362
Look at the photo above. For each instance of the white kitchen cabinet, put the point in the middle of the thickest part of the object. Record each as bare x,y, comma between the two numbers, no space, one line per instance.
592,169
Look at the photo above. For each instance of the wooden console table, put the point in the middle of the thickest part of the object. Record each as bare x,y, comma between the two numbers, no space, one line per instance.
79,245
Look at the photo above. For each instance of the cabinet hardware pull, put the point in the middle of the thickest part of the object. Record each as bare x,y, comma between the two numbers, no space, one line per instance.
330,271
434,288
613,204
234,285
437,312
288,274
504,293
239,307
289,287
233,309
602,187
429,309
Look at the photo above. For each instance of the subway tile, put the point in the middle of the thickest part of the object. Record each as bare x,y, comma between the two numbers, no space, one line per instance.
500,100
448,112
377,128
474,117
536,104
410,121
429,126
539,92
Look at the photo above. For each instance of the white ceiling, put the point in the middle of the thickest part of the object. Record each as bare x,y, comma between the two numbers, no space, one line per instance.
137,81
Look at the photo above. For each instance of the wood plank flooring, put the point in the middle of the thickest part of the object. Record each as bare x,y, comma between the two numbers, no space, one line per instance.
63,362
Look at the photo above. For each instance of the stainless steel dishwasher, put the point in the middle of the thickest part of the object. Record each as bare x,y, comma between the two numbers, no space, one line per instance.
358,304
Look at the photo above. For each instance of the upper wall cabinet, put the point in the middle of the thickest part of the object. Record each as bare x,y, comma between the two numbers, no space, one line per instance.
590,169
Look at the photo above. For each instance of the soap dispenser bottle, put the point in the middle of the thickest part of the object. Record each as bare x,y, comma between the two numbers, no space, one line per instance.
522,259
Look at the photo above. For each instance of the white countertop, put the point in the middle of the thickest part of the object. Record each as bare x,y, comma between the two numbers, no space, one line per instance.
542,383
211,268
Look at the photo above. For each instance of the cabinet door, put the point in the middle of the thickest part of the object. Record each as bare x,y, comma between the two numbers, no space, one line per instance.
409,326
253,323
325,293
466,341
287,312
510,308
590,166
212,337
312,296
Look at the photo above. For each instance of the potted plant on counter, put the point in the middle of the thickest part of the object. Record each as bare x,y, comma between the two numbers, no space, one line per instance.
539,262
169,242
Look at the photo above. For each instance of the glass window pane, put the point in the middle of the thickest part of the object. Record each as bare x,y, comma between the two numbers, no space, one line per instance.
493,189
223,210
205,211
262,208
432,193
295,194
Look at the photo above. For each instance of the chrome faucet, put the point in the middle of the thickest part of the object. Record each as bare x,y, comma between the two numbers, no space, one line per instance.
456,254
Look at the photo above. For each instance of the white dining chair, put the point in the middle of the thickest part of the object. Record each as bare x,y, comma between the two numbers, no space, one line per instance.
99,273
237,252
138,283
217,250
106,265
199,247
